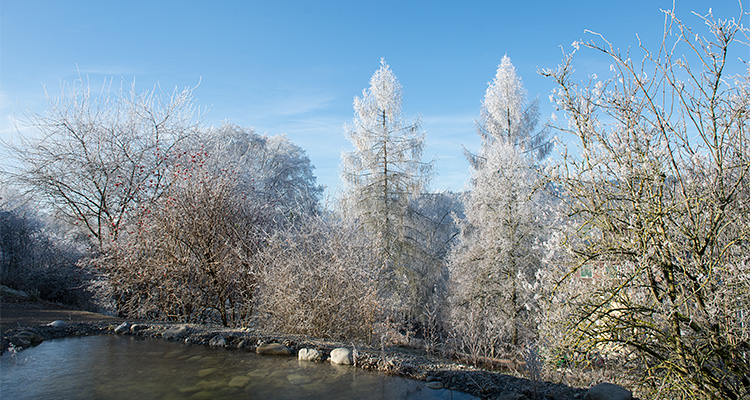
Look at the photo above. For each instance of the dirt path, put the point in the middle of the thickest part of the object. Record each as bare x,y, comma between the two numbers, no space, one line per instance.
23,314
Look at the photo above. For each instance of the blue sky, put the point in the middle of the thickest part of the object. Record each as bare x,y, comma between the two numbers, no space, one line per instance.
294,67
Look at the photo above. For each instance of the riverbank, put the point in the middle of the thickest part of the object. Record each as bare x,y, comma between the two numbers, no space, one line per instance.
399,361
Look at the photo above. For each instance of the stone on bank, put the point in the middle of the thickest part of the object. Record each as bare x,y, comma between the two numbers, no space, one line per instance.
308,355
274,349
122,328
175,333
342,356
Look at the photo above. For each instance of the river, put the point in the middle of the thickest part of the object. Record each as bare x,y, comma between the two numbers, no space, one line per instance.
118,367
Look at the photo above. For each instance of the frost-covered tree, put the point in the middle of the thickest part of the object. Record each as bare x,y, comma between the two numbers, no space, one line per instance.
506,114
383,172
493,267
95,158
658,195
277,171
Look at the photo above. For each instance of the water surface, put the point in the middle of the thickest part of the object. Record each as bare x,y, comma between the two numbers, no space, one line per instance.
123,367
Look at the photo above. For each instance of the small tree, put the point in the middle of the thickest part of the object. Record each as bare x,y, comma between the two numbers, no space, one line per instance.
382,174
658,196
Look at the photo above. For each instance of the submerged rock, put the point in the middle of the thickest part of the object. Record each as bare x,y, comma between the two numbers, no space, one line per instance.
341,355
297,379
239,381
608,391
308,355
203,395
274,349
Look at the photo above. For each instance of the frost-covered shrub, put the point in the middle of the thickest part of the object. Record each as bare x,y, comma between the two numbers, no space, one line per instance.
320,278
189,257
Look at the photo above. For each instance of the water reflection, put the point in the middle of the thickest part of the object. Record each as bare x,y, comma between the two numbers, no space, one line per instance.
116,367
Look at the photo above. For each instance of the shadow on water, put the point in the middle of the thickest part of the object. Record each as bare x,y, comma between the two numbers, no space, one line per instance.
116,367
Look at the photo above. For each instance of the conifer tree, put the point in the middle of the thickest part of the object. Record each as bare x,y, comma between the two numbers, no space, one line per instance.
494,265
383,172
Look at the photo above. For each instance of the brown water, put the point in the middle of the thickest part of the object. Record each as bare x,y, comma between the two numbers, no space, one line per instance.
117,367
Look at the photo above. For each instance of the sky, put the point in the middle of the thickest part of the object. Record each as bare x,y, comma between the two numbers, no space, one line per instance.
294,67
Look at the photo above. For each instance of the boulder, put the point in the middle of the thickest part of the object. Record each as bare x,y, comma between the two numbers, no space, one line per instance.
607,391
341,355
57,324
138,327
123,328
175,333
273,349
308,355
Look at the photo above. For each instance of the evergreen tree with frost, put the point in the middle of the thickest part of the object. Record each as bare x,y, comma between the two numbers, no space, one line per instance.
493,267
508,116
383,172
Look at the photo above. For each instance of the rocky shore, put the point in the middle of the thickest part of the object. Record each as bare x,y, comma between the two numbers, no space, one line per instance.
437,372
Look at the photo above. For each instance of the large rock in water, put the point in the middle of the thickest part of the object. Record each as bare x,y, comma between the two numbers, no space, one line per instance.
273,349
341,355
608,391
